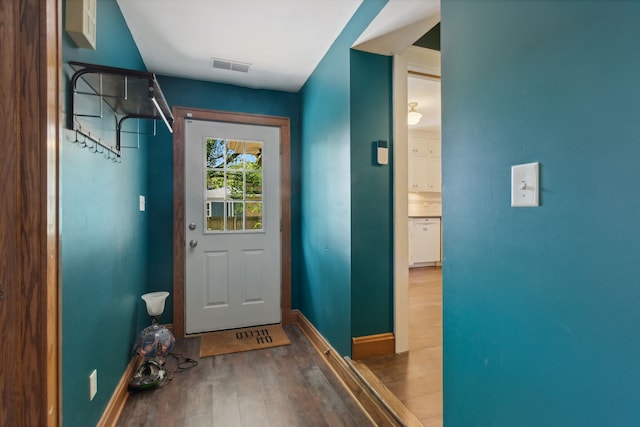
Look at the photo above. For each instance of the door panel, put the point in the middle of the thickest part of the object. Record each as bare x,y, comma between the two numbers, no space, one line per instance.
232,230
218,290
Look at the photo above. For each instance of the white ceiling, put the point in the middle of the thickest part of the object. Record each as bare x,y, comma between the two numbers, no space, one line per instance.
282,40
398,26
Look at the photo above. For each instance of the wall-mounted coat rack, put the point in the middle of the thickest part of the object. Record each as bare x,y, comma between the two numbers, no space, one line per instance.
129,94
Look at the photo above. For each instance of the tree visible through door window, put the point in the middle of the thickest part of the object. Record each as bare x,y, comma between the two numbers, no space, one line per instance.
233,199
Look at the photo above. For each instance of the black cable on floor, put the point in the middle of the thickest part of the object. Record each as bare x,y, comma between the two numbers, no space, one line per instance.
184,363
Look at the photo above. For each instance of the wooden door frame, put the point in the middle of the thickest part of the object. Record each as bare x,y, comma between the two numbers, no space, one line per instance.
29,284
182,113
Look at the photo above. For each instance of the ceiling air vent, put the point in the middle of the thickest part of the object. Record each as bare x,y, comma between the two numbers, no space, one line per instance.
225,64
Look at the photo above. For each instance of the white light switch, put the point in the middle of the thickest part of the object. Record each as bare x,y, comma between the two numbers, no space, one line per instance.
93,384
524,185
142,204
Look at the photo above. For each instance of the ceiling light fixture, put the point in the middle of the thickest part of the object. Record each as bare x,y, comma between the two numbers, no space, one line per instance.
413,117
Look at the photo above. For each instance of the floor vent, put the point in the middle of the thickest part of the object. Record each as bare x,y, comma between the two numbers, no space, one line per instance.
224,64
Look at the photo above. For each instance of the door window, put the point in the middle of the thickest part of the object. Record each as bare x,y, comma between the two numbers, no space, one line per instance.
233,199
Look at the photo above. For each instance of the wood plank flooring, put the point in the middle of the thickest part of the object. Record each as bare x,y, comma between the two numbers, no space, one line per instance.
281,386
415,377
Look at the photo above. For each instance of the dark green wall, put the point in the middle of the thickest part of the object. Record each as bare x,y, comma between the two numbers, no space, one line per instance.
212,96
541,304
325,275
102,240
371,196
431,40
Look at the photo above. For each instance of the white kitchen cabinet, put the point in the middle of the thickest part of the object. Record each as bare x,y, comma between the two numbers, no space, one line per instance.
424,164
424,241
425,173
434,174
424,146
418,173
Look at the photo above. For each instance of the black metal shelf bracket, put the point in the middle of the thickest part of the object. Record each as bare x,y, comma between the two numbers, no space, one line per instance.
128,93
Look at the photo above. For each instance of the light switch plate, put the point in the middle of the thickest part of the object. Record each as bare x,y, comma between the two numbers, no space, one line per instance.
143,204
93,384
525,185
382,152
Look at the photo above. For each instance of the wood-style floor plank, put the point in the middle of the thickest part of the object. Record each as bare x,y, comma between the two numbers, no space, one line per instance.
276,387
292,386
415,377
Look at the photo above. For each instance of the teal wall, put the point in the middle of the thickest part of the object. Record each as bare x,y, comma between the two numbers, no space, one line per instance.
541,304
371,195
212,96
111,253
325,203
102,241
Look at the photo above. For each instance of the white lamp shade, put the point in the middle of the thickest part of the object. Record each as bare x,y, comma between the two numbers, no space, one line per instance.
155,302
413,117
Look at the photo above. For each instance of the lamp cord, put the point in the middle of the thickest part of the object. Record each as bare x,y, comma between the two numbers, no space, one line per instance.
183,363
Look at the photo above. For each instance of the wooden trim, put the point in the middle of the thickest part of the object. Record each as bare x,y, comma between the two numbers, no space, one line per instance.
29,296
51,21
382,393
372,345
180,114
120,395
178,225
371,404
424,75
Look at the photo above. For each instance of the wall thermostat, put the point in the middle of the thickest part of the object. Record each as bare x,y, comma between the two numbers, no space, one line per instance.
383,152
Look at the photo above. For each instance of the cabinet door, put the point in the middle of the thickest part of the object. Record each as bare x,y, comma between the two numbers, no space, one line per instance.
418,173
425,174
424,146
417,146
425,241
434,174
424,164
432,147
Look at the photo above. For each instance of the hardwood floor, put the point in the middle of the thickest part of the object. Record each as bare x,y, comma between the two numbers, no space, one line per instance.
415,377
281,386
292,385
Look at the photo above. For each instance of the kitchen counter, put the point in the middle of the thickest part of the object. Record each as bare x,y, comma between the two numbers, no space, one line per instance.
423,210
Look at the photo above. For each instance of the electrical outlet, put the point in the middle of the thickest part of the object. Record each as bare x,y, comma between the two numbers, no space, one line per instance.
93,384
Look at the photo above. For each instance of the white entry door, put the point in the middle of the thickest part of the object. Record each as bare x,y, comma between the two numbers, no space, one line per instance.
232,220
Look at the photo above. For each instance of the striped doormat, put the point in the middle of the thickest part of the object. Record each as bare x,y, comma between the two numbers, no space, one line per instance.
245,339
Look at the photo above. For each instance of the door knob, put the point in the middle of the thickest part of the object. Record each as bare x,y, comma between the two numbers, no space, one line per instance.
192,226
193,243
